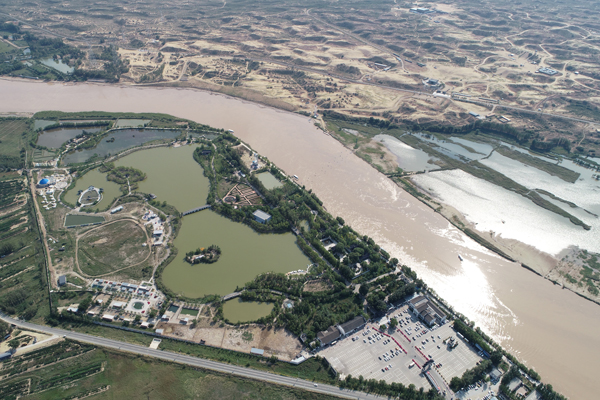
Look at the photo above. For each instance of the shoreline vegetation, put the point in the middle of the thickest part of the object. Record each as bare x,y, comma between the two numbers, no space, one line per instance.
207,255
353,259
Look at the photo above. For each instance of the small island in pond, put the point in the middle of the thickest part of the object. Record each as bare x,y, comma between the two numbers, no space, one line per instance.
204,255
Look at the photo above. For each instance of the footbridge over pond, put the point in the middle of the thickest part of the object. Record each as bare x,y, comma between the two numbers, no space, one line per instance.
232,295
193,210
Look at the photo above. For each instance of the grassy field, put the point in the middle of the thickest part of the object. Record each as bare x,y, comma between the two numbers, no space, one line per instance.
14,135
81,370
111,247
5,48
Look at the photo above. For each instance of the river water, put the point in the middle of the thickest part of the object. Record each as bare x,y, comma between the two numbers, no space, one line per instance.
552,330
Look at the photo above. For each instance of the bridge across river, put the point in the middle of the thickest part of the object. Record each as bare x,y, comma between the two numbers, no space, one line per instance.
193,210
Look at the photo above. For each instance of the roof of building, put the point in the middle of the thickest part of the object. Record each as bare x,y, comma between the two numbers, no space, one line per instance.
354,323
328,336
495,374
254,350
426,309
62,279
262,215
117,304
159,331
8,354
44,181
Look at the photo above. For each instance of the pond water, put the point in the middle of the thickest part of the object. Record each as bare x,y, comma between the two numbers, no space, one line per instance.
131,123
173,308
236,310
268,180
42,123
189,311
245,254
54,138
172,175
58,65
73,220
96,179
408,158
123,139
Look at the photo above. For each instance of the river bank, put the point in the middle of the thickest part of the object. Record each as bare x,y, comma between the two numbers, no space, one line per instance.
524,313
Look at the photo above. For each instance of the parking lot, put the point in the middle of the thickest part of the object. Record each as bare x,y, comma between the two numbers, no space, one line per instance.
361,356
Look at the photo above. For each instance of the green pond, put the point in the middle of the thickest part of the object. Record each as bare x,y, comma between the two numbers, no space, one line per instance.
172,175
73,220
54,138
268,180
120,140
245,254
189,311
131,123
97,179
42,123
237,310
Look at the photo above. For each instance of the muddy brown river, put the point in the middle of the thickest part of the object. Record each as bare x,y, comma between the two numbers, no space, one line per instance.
550,329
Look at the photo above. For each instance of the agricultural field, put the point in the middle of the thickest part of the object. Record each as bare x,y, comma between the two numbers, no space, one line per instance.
22,275
15,133
70,370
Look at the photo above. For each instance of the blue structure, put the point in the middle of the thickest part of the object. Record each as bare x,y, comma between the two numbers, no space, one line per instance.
44,183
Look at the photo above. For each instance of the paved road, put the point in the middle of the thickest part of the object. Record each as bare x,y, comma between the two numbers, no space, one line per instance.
195,361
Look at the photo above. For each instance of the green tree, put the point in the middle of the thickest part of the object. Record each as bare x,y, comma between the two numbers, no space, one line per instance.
137,318
14,344
393,323
84,305
364,289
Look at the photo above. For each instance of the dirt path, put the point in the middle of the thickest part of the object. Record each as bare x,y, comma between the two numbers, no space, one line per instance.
42,226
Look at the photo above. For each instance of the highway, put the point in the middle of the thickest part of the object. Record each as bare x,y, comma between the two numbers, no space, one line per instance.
195,361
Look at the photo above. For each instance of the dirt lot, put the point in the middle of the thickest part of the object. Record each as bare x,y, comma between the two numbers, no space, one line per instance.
275,342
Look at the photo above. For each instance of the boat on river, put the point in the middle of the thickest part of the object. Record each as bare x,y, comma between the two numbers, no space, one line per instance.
460,258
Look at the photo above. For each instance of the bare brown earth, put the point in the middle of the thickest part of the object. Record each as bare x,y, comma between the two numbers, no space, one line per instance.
276,342
356,57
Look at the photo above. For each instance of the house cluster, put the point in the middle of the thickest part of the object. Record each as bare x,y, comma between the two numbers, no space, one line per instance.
333,333
121,287
427,311
157,227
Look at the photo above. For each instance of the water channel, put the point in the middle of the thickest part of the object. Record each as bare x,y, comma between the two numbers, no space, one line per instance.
550,329
237,310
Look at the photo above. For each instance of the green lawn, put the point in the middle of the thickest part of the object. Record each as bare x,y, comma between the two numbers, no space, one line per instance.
5,47
11,139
